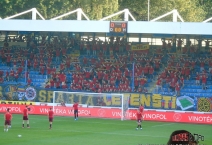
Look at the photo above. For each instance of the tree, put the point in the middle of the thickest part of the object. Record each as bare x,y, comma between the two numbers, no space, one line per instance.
207,6
190,10
94,9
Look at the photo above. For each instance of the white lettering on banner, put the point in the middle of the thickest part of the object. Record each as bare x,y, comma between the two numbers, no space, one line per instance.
130,115
85,112
155,116
134,115
127,114
60,111
44,110
15,109
200,118
12,109
116,114
70,112
3,108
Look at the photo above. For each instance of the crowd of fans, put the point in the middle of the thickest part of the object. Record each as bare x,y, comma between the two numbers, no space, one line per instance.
99,66
191,64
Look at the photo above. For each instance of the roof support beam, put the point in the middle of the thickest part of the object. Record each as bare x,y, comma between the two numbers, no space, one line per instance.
78,11
126,15
207,20
175,16
34,13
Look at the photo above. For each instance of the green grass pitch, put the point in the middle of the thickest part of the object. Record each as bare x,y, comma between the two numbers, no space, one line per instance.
184,102
94,131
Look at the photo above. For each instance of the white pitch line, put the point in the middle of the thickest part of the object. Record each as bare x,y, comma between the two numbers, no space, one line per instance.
163,124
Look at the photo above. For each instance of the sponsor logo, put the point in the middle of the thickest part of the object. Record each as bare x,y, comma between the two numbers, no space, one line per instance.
177,117
30,93
187,137
31,109
101,112
21,92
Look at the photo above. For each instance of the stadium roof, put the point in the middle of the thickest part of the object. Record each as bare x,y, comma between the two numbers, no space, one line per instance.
102,26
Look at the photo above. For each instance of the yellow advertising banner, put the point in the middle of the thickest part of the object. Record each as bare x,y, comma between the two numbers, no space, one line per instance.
17,102
140,47
76,53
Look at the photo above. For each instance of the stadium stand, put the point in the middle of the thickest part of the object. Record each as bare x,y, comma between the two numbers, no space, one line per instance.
187,72
97,66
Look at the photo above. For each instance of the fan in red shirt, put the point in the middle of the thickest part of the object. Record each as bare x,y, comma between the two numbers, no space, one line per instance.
204,81
64,85
143,82
51,116
1,80
139,118
151,71
159,85
16,76
75,106
197,78
62,77
7,118
177,89
12,74
25,116
29,81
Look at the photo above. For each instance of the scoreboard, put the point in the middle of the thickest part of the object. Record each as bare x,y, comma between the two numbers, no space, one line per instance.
118,27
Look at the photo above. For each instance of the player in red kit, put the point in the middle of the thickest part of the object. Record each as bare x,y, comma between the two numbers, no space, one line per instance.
51,116
7,118
25,117
75,106
139,119
141,108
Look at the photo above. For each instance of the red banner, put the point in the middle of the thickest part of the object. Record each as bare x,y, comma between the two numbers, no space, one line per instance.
151,115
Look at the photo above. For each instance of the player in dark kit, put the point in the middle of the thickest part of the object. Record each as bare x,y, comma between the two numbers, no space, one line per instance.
139,119
51,116
75,106
7,118
25,116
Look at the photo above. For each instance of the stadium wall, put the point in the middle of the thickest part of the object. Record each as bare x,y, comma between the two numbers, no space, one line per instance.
31,94
115,113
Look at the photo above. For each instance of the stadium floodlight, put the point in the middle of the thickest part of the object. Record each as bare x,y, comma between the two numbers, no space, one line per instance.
34,13
86,99
79,15
126,15
175,16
